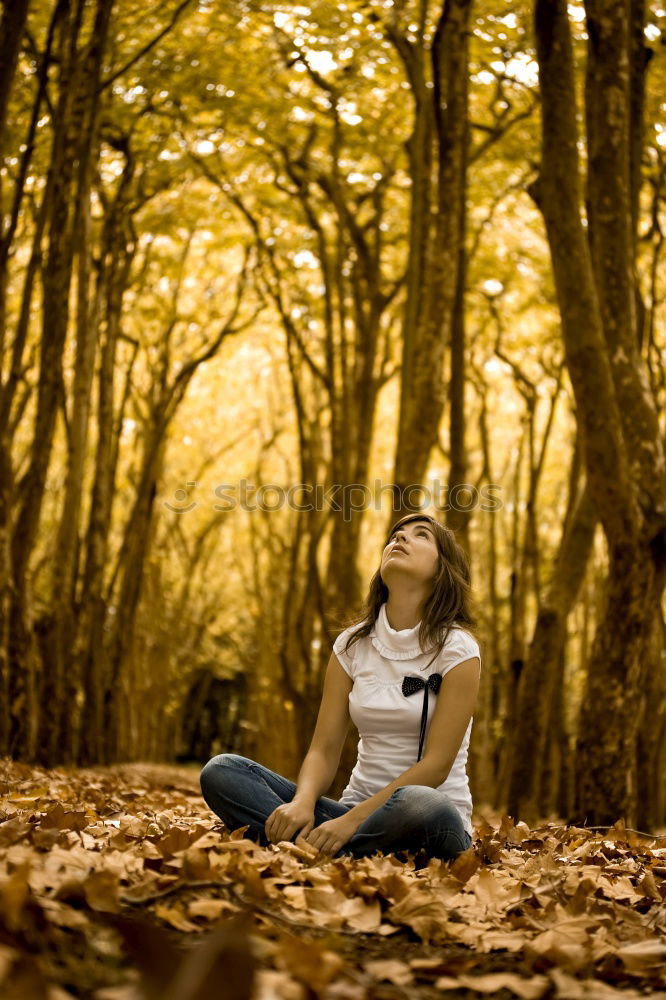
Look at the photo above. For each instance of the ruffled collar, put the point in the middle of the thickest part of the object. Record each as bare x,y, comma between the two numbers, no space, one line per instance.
395,644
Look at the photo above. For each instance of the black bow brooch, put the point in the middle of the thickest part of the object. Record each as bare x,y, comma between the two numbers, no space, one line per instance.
410,685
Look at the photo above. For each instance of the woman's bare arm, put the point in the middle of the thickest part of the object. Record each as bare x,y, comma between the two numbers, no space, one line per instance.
321,762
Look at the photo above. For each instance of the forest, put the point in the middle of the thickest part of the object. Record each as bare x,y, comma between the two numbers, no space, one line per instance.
274,274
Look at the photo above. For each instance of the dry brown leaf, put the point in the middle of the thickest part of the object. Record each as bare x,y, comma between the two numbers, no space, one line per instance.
211,909
568,943
361,915
14,894
13,830
644,954
174,917
526,989
494,890
392,969
310,962
101,891
425,914
271,984
569,988
57,818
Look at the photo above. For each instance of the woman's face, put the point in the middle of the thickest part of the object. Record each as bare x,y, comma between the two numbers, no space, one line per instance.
410,554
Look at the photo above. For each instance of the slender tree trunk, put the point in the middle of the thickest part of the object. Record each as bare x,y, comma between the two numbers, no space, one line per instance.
433,275
12,22
460,501
61,688
56,282
420,148
12,682
552,765
89,647
489,744
513,667
541,674
652,732
134,549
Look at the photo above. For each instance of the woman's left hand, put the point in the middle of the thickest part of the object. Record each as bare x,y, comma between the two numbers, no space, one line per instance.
330,836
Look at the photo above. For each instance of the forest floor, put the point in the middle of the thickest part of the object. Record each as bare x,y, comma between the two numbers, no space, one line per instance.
118,883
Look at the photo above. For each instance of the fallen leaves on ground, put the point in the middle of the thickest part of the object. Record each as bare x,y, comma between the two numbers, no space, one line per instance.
120,884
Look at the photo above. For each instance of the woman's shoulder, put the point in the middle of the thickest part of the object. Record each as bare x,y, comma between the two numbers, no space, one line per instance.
460,644
349,631
345,650
462,632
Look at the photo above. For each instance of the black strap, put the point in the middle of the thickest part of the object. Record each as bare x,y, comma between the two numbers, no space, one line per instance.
412,684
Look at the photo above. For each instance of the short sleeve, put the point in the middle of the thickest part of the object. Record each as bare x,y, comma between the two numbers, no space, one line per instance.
460,646
345,658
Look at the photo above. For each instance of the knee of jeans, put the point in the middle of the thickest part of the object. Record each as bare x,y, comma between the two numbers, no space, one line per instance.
413,799
415,791
454,844
210,773
421,804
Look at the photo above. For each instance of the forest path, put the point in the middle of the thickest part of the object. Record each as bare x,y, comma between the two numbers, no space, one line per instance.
118,883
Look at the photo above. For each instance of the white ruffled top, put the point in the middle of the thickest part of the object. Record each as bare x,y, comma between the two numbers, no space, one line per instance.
388,722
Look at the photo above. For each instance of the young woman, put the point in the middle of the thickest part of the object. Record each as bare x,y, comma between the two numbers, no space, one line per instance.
392,672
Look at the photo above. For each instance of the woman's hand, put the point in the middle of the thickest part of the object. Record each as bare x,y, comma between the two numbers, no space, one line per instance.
287,819
330,836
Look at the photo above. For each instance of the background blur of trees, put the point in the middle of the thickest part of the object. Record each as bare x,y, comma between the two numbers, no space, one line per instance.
372,241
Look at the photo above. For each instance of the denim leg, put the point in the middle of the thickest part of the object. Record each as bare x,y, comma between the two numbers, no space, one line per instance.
240,791
243,792
414,817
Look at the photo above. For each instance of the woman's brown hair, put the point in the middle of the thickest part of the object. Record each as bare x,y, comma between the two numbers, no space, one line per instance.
449,602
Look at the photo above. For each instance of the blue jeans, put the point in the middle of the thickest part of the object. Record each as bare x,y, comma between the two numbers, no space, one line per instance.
415,817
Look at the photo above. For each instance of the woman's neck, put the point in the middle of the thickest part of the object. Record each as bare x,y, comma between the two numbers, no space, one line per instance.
404,611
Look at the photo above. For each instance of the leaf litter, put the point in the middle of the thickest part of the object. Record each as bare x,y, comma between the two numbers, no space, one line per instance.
118,883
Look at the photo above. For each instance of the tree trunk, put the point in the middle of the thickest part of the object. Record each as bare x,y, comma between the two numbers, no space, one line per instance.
541,676
12,23
56,282
552,769
89,647
61,687
652,733
634,528
131,560
460,502
488,739
435,248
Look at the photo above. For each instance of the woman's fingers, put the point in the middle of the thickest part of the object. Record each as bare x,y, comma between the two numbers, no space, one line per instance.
322,844
278,827
271,826
276,832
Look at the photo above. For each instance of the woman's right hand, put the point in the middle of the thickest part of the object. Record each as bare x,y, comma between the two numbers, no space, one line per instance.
287,819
